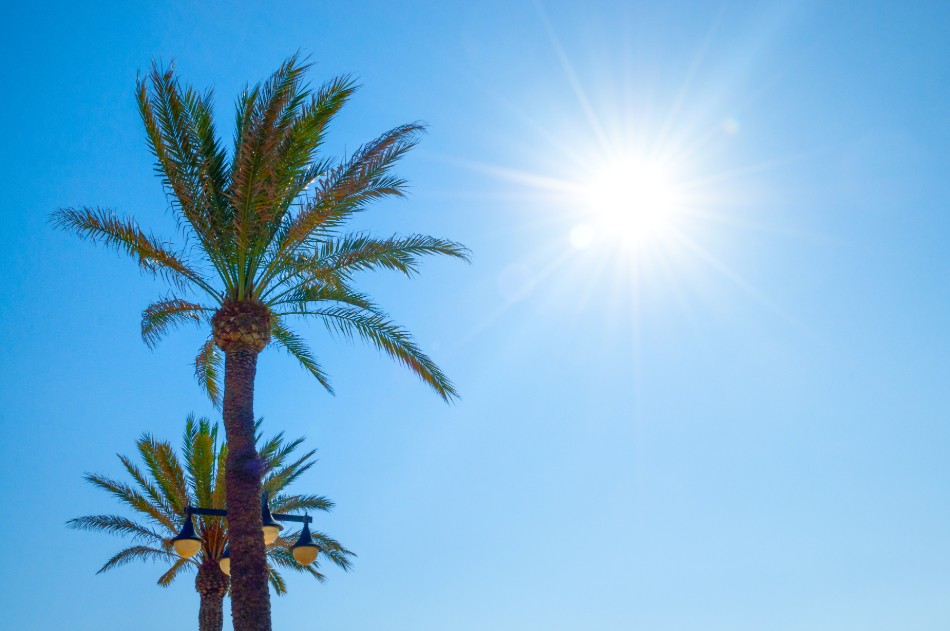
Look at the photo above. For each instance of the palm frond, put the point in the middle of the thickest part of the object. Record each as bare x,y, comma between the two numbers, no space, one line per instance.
386,337
192,427
299,503
209,369
164,315
283,476
275,451
297,347
219,493
190,159
200,458
166,579
276,581
125,235
357,252
345,189
296,166
266,121
166,469
268,449
115,524
150,490
136,553
324,276
306,289
332,550
129,496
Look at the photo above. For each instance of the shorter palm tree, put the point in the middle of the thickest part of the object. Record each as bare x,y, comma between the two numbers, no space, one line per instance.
168,484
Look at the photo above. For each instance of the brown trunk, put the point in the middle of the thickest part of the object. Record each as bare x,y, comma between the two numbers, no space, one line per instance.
212,585
211,613
250,595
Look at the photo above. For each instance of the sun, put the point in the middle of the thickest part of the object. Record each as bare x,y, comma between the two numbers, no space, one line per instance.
632,201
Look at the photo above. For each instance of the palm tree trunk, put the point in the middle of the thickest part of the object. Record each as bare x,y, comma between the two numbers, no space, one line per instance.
250,595
211,584
211,613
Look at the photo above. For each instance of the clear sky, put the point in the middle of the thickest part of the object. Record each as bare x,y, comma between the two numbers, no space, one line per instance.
728,413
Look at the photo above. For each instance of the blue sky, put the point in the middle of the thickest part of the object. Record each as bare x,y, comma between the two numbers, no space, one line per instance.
741,426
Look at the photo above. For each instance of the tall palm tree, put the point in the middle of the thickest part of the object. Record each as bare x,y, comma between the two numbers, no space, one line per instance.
159,494
264,225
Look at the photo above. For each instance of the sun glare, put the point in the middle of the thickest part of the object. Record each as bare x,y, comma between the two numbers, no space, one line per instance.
630,201
631,186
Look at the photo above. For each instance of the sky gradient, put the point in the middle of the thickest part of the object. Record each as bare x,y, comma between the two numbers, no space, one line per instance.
743,429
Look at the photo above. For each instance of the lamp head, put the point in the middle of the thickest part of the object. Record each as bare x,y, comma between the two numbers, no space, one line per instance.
305,550
272,527
187,543
225,561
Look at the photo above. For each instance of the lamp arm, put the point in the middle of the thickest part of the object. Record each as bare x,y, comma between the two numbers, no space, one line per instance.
304,519
208,512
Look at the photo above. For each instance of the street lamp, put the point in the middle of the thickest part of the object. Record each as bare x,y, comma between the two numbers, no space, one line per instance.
271,527
225,561
187,543
305,550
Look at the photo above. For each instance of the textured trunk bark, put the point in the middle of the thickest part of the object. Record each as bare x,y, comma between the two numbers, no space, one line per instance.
211,613
250,595
212,584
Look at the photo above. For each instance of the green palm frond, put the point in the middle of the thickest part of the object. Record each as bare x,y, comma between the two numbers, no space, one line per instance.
298,167
299,503
163,315
276,580
200,453
116,525
332,550
332,288
344,190
166,470
266,449
128,496
166,579
276,450
266,122
147,487
357,252
386,337
137,553
281,477
218,493
126,236
189,158
298,348
209,369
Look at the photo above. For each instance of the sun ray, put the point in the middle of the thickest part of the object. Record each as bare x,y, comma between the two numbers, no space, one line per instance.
741,282
592,118
635,191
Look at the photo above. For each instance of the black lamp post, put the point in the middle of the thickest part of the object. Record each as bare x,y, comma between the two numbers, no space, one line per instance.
187,543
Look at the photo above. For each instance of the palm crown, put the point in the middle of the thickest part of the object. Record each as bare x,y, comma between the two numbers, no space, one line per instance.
266,222
168,484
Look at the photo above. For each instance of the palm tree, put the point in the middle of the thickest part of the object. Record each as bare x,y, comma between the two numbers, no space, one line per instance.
160,493
264,225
